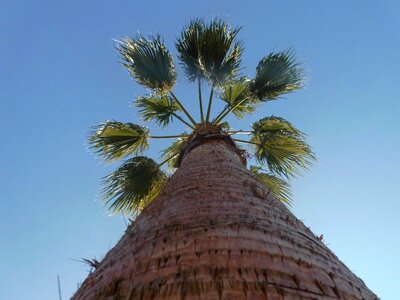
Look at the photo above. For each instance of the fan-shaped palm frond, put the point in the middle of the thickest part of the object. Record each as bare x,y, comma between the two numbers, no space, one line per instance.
210,50
238,99
170,155
281,146
115,140
158,108
272,126
277,74
283,155
149,62
277,186
220,52
133,185
188,46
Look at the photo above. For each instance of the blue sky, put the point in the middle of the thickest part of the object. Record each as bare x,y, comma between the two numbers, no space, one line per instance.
59,75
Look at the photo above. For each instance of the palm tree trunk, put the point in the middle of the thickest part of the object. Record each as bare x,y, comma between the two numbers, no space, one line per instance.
216,233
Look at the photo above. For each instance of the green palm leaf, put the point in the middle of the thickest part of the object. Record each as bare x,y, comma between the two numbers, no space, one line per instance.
238,99
277,74
281,146
115,140
171,154
277,186
188,46
210,51
149,62
158,108
220,52
133,185
273,126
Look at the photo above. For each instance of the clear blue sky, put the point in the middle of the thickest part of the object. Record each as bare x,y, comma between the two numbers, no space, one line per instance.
59,75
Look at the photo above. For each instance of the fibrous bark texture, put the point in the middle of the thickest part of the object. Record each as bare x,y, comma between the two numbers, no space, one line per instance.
216,233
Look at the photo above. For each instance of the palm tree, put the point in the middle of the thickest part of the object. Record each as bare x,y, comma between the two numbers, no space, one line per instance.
214,229
211,54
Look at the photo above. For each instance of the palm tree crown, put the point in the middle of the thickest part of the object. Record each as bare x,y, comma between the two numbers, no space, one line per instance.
210,53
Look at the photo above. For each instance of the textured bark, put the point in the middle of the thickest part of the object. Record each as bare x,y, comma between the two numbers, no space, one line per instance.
216,233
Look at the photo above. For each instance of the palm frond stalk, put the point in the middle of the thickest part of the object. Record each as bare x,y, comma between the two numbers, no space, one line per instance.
183,109
200,101
247,132
166,136
246,142
210,104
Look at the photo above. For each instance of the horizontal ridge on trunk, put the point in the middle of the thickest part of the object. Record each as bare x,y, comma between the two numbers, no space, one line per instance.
215,232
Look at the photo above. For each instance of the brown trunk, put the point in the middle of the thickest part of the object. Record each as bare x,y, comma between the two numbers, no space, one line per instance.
216,233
